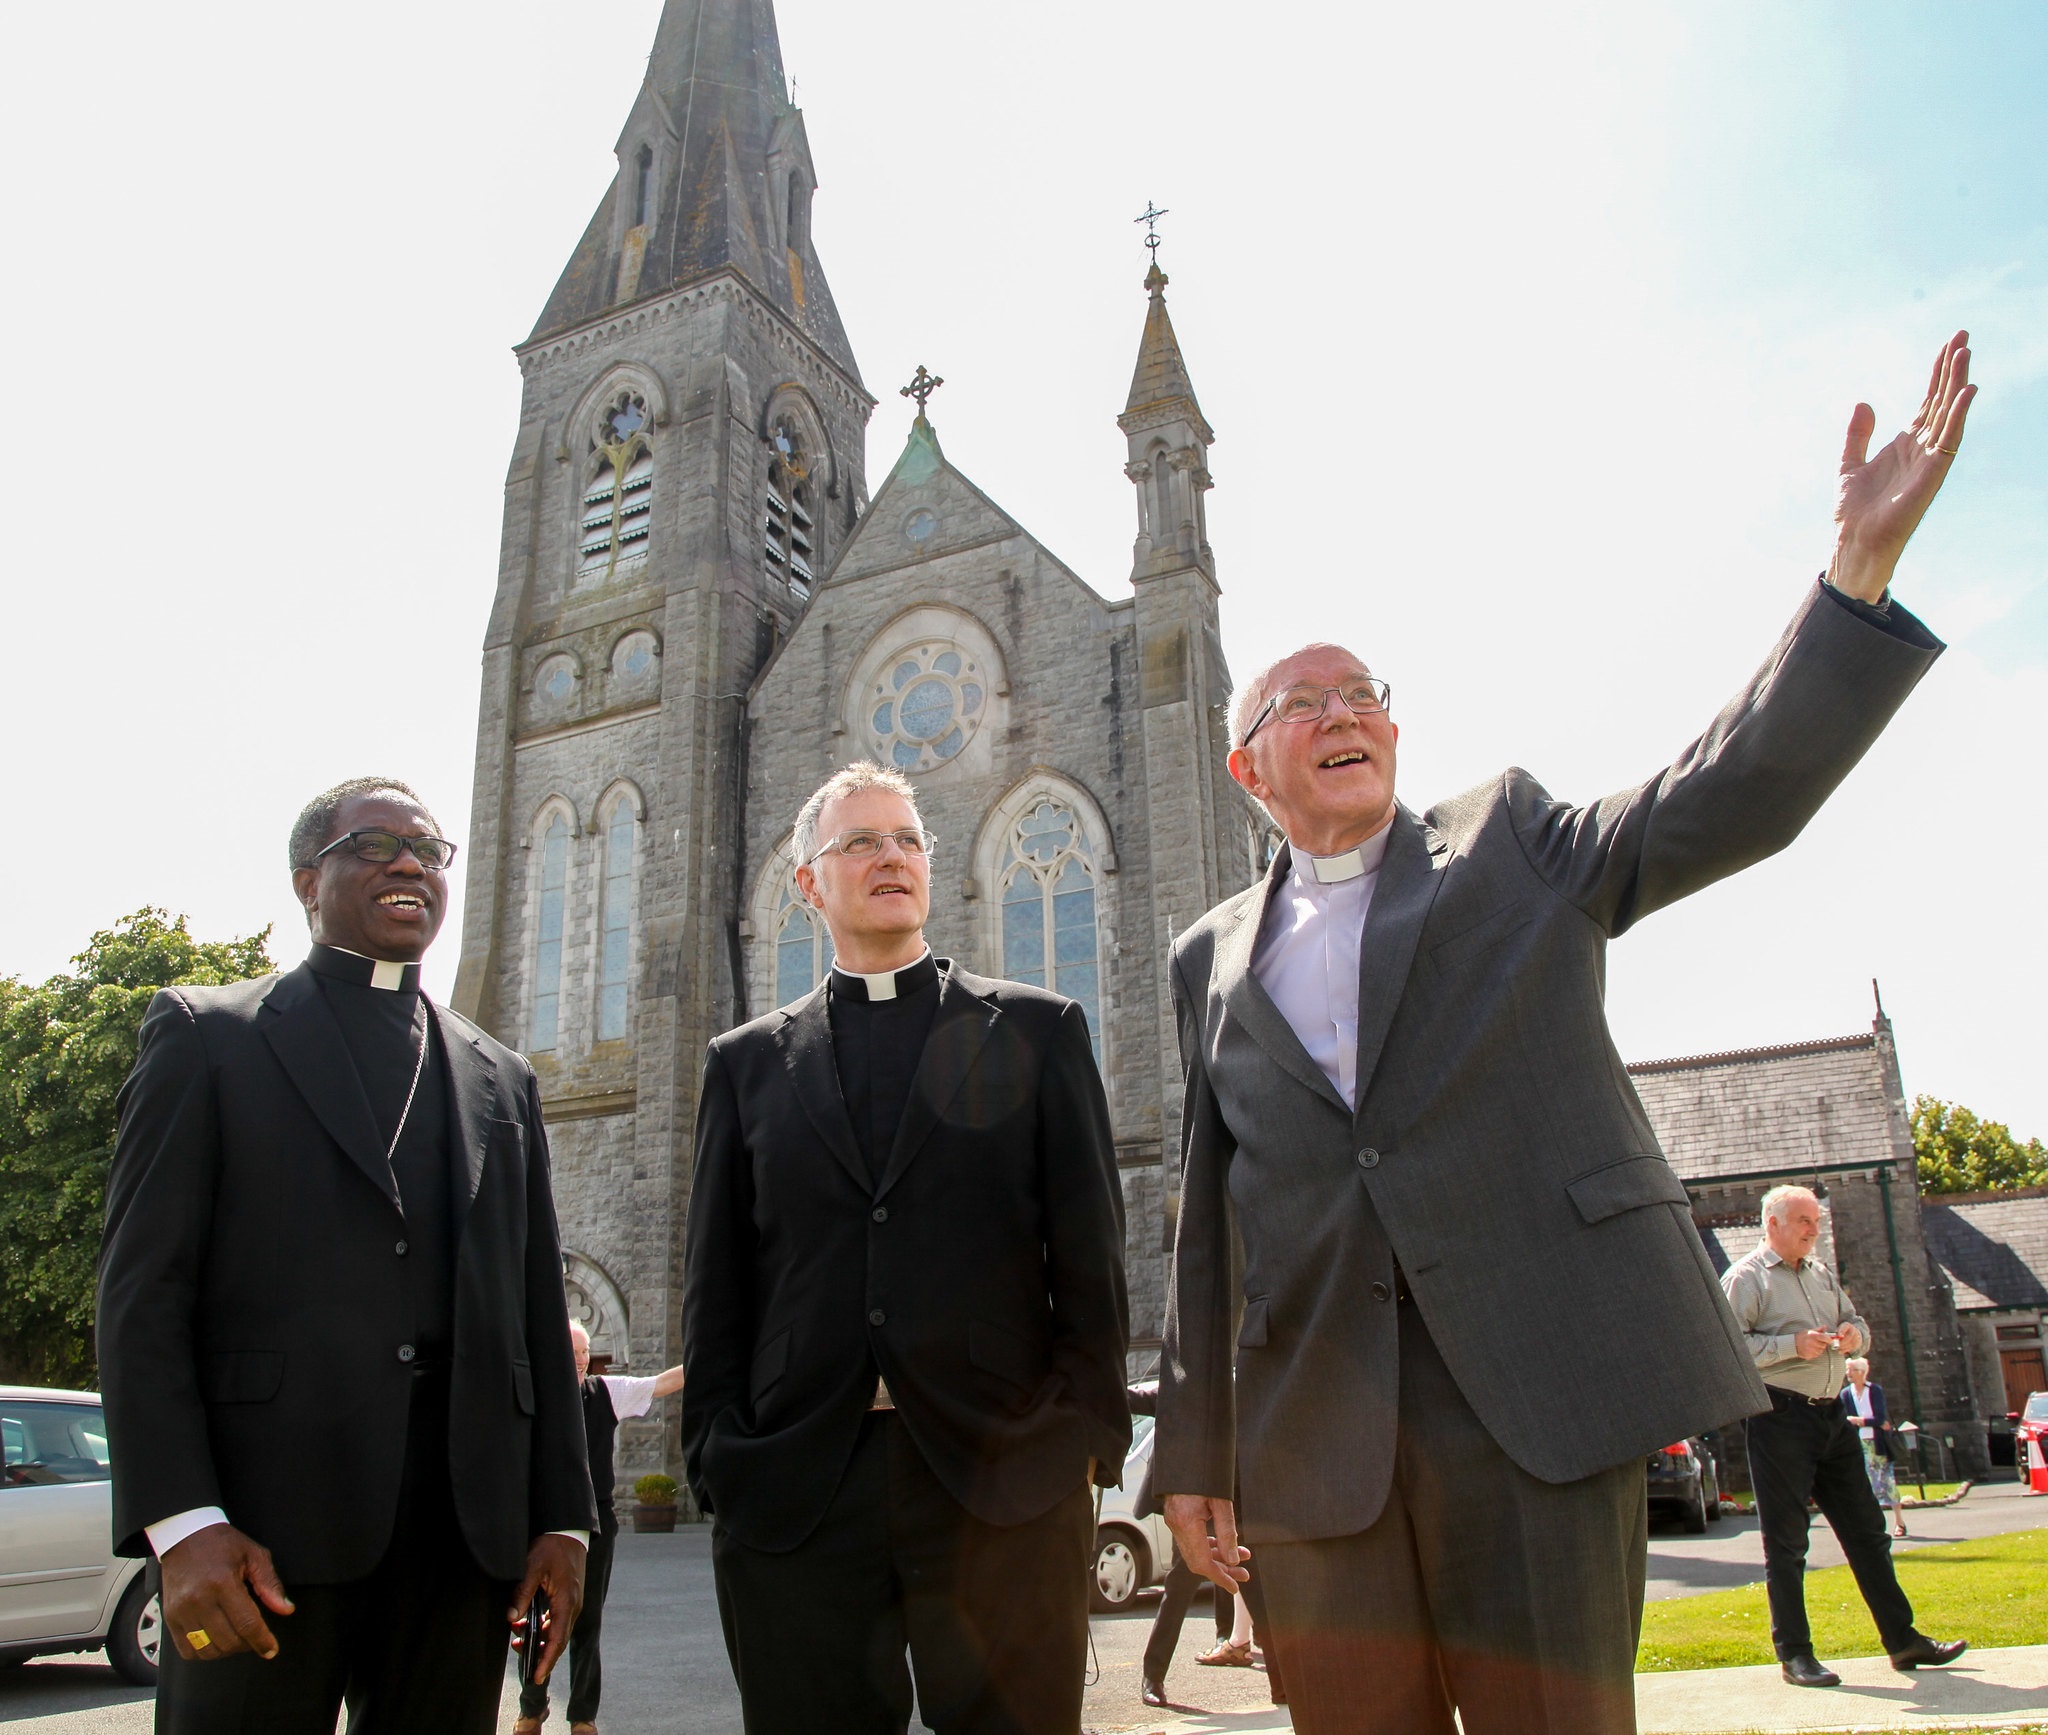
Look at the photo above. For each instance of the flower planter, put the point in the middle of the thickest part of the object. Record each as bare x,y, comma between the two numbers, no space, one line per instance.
653,1520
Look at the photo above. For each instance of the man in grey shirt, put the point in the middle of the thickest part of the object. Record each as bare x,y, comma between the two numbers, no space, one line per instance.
1801,1327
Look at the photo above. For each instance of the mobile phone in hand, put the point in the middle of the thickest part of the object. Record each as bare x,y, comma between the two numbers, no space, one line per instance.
532,1634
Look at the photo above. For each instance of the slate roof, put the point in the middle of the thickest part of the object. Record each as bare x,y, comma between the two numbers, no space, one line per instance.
715,83
1994,1246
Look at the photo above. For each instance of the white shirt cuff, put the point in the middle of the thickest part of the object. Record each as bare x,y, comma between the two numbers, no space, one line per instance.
580,1537
166,1533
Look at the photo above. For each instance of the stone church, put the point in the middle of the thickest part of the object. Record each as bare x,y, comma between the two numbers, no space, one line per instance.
701,610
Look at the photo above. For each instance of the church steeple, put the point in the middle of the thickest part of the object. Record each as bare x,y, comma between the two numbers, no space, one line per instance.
1169,441
715,175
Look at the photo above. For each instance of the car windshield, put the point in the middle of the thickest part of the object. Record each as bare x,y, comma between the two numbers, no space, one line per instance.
2037,1407
1141,1428
45,1443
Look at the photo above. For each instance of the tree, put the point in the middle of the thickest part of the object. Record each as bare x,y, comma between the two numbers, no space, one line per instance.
65,1047
1959,1153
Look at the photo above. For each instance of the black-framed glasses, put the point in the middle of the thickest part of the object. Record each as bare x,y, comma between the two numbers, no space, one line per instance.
912,840
1308,704
432,853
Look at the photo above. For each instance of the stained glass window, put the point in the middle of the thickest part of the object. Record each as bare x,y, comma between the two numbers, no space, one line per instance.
547,957
926,707
803,946
1050,936
615,942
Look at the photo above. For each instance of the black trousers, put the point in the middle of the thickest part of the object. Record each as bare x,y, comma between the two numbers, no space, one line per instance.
1182,1582
1515,1601
417,1648
1798,1449
995,1618
586,1655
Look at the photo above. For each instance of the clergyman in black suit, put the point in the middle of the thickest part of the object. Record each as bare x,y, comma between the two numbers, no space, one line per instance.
332,1333
903,1318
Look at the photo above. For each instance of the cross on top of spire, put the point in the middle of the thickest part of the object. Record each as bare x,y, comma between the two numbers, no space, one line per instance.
1150,218
921,388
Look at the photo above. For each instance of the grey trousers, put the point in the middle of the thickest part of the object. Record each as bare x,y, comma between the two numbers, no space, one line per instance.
1516,1602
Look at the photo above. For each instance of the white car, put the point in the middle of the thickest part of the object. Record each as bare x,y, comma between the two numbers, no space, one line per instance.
61,1589
1131,1553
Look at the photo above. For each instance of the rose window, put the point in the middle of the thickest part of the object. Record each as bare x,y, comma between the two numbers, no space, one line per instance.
926,706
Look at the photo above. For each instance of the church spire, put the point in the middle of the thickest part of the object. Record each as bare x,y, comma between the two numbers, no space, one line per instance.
1169,441
715,175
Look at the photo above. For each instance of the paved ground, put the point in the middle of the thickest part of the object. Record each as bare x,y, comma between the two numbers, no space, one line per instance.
666,1673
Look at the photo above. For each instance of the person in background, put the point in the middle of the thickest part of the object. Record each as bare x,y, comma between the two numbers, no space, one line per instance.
1863,1398
1800,1328
608,1400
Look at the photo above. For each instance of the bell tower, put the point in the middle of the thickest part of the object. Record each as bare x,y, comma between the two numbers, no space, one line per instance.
689,455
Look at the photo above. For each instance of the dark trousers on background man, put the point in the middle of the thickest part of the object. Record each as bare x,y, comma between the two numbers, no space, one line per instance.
995,1617
1518,1600
1799,1448
417,1648
1178,1593
586,1658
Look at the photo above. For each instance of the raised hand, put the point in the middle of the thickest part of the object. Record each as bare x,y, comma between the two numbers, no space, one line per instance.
1883,498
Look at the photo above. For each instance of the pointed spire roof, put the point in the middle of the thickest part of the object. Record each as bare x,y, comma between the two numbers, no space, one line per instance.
714,110
1160,386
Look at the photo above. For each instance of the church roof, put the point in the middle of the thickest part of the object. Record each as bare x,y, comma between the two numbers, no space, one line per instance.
714,108
1161,380
1993,1246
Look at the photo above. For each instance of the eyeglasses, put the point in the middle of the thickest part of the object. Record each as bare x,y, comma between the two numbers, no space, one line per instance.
1306,704
858,844
432,853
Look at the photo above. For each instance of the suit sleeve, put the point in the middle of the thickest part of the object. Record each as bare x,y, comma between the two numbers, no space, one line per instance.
559,1491
718,1269
1084,1243
1195,1451
1747,786
160,1191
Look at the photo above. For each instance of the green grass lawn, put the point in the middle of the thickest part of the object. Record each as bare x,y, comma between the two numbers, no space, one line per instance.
1993,1592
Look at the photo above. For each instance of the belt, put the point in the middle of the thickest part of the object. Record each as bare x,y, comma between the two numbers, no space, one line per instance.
1782,1399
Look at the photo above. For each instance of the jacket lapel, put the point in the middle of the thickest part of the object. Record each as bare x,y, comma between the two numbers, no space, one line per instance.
472,1088
807,1053
1408,883
1245,997
960,1031
308,1043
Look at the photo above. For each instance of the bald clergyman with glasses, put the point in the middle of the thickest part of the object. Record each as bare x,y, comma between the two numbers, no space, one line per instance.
903,1318
333,1340
1473,1299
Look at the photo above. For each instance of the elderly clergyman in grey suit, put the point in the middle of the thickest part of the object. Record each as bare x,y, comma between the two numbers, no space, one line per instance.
1473,1298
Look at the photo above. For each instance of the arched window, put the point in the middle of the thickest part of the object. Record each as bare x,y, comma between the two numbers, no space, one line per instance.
789,532
803,947
1047,895
643,187
615,942
544,1030
618,502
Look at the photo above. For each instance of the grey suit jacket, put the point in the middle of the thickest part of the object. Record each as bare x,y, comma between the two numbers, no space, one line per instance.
1498,1148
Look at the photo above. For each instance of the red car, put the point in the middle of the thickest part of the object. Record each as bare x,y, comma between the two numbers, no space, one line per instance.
2030,1442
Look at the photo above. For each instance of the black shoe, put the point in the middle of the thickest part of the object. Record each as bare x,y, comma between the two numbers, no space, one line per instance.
1154,1694
1803,1671
1926,1653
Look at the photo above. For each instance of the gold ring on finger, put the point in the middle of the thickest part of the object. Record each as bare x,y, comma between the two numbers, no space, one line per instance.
1948,451
198,1638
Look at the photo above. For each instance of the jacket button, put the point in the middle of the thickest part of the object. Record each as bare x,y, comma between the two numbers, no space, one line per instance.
1368,1158
878,1317
406,1352
400,1250
881,1213
1380,1292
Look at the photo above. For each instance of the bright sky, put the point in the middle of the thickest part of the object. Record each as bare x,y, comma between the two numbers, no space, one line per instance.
1528,333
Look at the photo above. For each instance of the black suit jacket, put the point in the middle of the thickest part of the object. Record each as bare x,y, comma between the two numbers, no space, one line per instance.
253,1300
982,1273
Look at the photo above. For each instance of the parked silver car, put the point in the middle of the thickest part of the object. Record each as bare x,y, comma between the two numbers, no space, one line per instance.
61,1589
1131,1553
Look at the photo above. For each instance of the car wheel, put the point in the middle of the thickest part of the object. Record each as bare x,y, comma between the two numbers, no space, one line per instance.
1119,1571
137,1635
1694,1517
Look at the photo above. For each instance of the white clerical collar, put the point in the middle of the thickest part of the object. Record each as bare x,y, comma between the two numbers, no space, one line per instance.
382,973
887,984
1351,864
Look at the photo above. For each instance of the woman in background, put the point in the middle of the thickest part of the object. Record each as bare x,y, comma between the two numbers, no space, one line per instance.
1864,1400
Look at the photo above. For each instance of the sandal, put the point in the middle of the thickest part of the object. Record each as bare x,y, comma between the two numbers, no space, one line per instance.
1225,1655
528,1725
